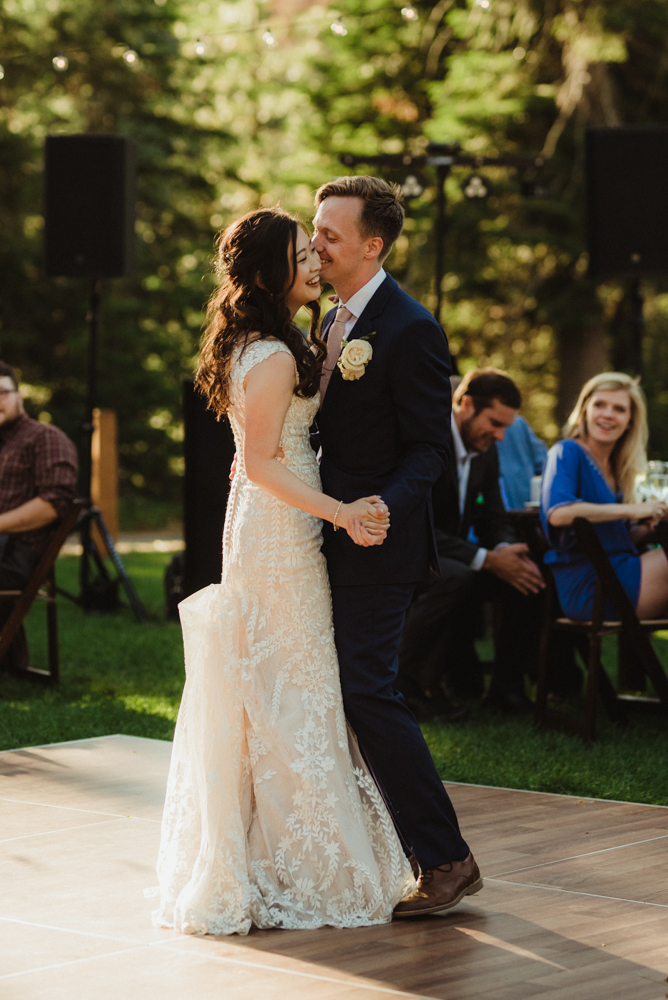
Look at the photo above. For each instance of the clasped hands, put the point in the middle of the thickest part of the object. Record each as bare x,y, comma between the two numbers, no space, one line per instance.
512,564
367,520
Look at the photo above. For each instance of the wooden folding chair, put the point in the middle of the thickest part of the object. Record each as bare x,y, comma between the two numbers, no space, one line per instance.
636,632
41,586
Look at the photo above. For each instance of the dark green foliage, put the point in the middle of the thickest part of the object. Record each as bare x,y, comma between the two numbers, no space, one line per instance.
247,125
151,321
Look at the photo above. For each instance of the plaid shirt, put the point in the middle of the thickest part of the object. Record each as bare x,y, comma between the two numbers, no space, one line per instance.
36,460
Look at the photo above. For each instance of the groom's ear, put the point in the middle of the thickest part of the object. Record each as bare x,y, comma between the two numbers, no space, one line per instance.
374,248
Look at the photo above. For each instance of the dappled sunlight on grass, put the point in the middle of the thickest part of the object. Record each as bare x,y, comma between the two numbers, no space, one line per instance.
117,675
628,764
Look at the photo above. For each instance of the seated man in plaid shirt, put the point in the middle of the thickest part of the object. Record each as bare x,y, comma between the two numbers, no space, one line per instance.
38,475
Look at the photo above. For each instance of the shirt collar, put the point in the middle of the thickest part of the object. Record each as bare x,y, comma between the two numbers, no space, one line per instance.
461,451
358,302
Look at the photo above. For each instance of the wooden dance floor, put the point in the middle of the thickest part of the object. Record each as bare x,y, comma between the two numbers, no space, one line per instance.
575,904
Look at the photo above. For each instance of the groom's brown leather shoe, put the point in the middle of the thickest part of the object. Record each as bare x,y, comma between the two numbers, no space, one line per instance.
441,888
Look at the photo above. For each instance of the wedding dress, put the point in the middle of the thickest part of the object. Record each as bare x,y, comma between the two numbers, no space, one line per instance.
271,817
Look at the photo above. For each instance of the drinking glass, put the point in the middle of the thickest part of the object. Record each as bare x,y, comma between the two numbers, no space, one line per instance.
641,488
657,483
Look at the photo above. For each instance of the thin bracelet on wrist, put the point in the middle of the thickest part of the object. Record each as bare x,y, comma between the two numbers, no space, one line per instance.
336,527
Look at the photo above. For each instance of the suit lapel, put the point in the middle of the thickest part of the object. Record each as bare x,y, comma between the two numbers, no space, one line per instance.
362,328
327,321
474,485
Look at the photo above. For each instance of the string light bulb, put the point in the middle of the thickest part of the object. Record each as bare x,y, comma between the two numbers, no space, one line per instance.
130,57
60,62
339,28
2,72
411,188
269,39
485,4
476,187
409,13
200,48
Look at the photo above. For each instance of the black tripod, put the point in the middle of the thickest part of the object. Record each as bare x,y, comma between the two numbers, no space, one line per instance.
98,590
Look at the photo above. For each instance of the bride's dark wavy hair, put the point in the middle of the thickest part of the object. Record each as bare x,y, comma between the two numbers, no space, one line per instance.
260,247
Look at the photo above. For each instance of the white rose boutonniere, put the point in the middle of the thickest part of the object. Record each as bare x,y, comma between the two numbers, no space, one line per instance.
354,358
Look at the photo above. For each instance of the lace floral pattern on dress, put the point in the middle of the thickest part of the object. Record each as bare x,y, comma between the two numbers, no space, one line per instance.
271,818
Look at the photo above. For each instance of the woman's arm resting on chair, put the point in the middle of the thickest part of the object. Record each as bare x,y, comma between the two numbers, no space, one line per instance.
561,517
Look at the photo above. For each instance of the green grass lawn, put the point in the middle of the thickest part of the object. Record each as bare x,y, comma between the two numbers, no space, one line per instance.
117,676
122,677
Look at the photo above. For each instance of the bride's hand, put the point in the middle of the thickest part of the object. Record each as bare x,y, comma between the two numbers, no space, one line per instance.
366,520
369,511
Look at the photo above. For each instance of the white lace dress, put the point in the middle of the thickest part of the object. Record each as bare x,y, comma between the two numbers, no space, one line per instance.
271,817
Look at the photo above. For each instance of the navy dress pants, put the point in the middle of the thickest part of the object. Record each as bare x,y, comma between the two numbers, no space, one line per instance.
368,622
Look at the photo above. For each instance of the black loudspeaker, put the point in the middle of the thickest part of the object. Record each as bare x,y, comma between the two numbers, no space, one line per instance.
627,197
89,212
209,451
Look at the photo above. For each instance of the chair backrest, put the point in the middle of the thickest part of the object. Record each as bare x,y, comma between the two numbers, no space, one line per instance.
591,545
530,528
63,529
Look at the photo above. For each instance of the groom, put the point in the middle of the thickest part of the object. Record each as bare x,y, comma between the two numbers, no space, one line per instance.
384,429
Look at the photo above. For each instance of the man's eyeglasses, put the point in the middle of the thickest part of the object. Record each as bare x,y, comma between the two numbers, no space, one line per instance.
6,392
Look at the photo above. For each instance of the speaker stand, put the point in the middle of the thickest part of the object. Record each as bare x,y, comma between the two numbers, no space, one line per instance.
637,321
98,591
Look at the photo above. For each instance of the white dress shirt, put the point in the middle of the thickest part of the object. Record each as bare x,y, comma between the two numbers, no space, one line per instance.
463,470
358,302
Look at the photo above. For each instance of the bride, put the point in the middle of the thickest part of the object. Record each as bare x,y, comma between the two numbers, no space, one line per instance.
271,817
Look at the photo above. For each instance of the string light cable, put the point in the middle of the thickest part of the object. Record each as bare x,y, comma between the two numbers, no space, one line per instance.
200,47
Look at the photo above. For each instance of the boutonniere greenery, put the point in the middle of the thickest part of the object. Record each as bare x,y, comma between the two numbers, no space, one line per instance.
355,356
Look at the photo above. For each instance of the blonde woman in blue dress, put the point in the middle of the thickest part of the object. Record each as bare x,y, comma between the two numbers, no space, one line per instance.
271,816
591,474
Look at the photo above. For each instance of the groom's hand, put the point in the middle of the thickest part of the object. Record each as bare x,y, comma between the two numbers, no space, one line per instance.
365,537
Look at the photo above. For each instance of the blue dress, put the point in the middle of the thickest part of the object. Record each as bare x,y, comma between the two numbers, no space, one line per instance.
570,476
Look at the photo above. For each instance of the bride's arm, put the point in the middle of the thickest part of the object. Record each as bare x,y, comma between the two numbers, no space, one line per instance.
269,389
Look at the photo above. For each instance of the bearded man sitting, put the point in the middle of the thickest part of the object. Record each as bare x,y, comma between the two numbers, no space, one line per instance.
38,475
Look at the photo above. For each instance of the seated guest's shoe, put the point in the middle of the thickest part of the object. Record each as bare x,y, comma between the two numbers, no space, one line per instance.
512,702
441,888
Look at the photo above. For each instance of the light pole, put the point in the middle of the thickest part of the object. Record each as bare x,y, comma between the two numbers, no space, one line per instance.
442,156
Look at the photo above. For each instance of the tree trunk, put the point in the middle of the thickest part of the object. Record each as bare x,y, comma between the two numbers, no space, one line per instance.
582,352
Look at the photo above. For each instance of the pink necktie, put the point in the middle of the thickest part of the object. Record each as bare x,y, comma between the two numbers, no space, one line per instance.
334,339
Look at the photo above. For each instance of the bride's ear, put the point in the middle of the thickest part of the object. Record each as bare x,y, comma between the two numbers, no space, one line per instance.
260,282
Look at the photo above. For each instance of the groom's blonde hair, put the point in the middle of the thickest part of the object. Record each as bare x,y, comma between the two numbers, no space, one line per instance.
382,212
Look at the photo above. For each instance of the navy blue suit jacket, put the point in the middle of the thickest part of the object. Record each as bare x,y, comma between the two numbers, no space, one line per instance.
388,433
